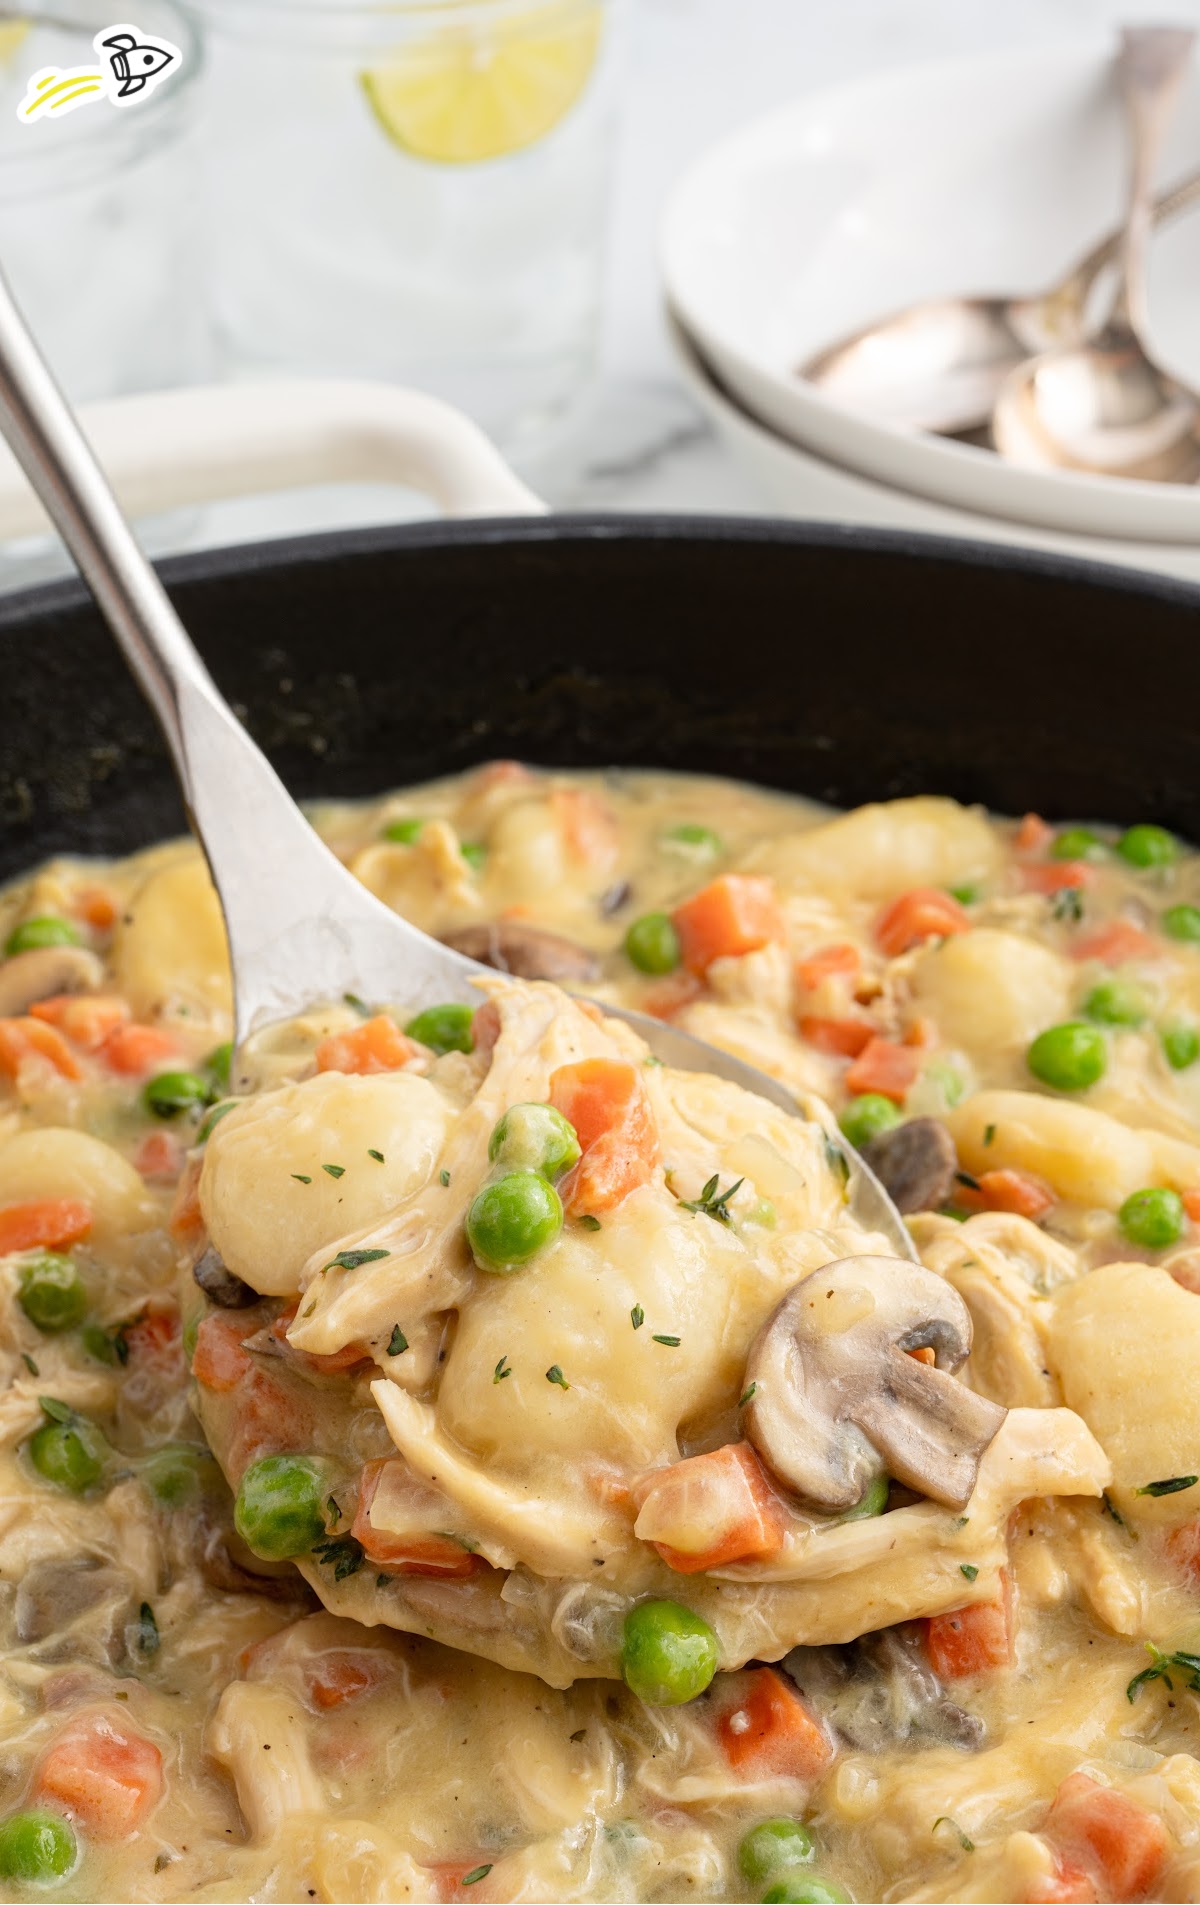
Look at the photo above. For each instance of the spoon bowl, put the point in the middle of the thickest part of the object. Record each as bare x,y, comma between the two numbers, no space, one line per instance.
1105,407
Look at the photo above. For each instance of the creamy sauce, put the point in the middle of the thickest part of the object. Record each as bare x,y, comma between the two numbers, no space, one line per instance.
204,1732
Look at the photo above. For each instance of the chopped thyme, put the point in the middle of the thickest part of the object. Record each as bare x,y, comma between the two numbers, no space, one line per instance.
989,1132
308,1309
397,1342
712,1203
1110,1508
503,1368
964,1177
837,1160
445,1179
473,1878
651,1060
637,1316
748,1396
354,1259
335,1170
57,1411
968,1845
342,1552
1068,905
1174,1485
300,1177
377,1155
580,1735
589,1223
1161,1668
965,1567
145,1630
672,1342
554,1374
29,1363
335,1512
356,1004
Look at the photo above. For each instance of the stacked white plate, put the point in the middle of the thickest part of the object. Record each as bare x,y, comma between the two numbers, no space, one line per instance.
983,176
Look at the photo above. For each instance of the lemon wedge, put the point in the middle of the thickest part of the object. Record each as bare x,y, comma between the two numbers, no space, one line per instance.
464,95
13,35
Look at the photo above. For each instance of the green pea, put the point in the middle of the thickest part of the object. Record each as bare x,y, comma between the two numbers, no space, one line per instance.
173,1093
1153,1218
475,854
873,1500
278,1512
1146,846
774,1847
534,1138
865,1117
1077,843
404,833
50,1292
513,1218
1115,1002
1068,1057
1181,922
967,895
32,934
1181,1046
668,1654
36,1848
652,944
178,1473
71,1453
805,1891
444,1028
693,841
218,1064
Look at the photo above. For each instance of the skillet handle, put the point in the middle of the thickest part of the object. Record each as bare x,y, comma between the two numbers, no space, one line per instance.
173,449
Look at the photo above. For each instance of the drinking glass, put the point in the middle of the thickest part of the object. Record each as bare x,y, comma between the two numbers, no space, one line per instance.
413,192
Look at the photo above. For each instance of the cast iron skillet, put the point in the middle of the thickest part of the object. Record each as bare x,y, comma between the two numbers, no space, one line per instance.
845,664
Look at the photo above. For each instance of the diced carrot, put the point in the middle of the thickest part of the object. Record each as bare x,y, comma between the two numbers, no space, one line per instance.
219,1362
831,962
770,1733
29,1040
1183,1547
1191,1204
1055,876
721,1504
605,1099
377,1045
921,1033
882,1066
107,1775
448,1877
159,1156
157,1333
1011,1190
186,1221
666,997
972,1640
436,1556
1033,835
332,1365
342,1674
1068,1884
846,1038
1115,943
87,1021
485,1028
923,1355
96,907
45,1223
588,826
270,1418
1113,1840
734,915
925,913
134,1050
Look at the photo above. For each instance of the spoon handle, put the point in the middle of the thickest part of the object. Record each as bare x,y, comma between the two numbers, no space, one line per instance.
300,926
1152,64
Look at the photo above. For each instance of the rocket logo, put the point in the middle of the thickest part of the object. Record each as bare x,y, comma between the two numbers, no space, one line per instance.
131,64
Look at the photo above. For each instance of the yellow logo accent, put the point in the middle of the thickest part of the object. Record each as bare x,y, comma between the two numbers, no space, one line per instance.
53,92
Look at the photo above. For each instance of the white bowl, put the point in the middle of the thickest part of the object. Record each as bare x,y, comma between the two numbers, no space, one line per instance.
799,482
974,175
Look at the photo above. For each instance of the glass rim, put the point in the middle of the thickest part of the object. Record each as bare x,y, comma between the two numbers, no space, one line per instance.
104,144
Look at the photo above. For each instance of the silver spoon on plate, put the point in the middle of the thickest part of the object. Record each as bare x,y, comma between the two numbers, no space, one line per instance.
939,365
1104,405
301,929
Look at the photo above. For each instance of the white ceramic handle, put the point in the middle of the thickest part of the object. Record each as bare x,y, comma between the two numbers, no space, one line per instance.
175,448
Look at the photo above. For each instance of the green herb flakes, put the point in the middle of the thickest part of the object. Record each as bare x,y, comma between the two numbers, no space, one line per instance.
354,1259
637,1316
965,1568
340,1552
589,1223
377,1155
554,1374
503,1368
1162,1666
670,1342
968,1845
300,1177
473,1878
714,1203
29,1363
397,1342
1174,1485
334,1170
444,1177
748,1396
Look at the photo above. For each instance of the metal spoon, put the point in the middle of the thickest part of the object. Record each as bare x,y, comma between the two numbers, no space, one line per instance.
1104,406
301,928
940,365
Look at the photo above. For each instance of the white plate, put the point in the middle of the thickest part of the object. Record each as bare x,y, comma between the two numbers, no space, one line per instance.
798,482
975,175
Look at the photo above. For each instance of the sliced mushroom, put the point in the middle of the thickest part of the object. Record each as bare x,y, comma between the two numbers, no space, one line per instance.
916,1164
43,971
525,951
879,1694
837,1400
220,1285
